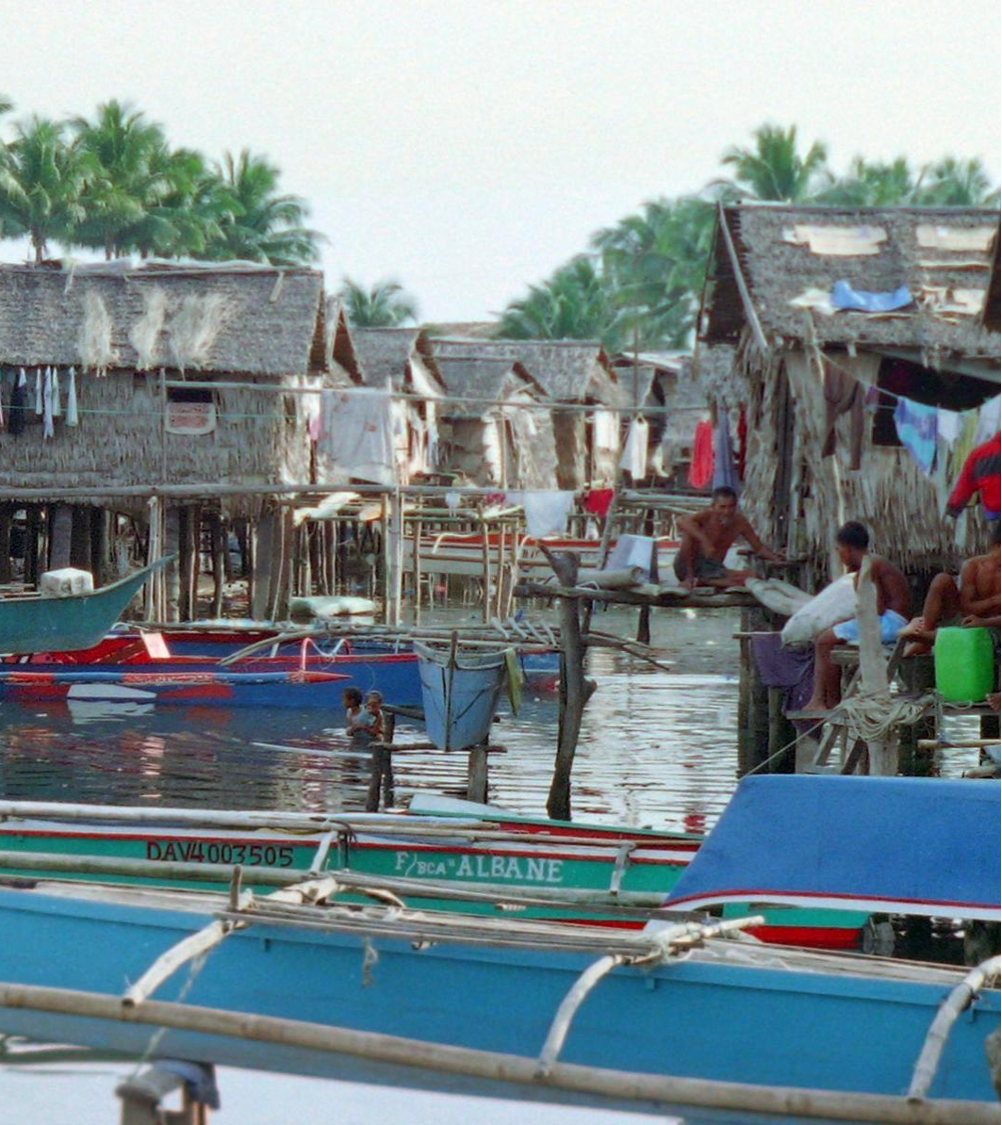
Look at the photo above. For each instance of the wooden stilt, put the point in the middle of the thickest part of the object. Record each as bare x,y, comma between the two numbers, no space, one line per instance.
262,561
219,551
31,545
80,537
416,571
6,523
476,774
61,537
172,546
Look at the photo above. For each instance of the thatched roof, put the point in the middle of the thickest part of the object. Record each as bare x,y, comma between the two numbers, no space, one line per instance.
567,370
251,320
385,353
791,257
473,376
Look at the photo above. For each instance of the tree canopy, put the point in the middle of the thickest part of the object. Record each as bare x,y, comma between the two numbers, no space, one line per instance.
114,183
384,305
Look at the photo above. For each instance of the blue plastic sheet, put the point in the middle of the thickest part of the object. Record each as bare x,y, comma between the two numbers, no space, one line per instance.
844,296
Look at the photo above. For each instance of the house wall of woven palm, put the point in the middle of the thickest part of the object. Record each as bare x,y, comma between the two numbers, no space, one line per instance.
861,347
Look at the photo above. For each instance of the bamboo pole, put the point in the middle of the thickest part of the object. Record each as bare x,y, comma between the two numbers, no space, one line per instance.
415,1056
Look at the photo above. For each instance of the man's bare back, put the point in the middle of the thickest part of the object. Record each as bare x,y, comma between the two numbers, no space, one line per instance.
981,586
893,591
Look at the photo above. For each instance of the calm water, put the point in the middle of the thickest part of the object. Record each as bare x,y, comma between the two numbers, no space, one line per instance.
656,749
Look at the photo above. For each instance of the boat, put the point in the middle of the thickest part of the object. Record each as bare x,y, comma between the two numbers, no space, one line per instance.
587,871
35,623
689,1005
460,690
125,663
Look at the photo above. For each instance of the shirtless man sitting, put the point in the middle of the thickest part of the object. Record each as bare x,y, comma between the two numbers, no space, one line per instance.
707,536
894,603
977,601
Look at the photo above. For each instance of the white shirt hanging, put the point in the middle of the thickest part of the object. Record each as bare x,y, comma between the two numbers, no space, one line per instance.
56,408
48,429
71,400
634,459
39,407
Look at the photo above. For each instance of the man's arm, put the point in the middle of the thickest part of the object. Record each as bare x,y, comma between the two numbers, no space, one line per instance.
692,526
970,603
757,545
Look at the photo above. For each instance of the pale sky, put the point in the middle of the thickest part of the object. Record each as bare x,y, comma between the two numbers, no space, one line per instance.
468,147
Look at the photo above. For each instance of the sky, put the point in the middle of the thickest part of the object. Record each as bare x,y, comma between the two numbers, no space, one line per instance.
468,148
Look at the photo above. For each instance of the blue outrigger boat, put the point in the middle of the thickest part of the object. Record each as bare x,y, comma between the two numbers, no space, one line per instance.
33,623
685,1011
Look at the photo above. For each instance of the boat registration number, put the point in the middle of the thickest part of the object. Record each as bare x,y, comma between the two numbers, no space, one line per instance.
215,851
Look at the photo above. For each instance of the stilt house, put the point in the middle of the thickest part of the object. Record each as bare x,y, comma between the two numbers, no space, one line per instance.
820,323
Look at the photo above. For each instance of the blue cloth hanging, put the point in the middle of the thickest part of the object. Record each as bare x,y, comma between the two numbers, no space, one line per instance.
725,473
918,428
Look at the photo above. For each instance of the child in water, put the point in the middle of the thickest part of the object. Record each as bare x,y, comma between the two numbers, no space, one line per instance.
365,724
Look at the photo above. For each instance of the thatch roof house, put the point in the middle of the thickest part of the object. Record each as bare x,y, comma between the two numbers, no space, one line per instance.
120,329
511,447
574,372
109,338
804,305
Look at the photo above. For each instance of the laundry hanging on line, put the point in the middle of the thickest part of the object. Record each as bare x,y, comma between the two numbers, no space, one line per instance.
598,501
18,405
916,425
546,513
71,399
980,474
356,433
634,458
701,465
725,474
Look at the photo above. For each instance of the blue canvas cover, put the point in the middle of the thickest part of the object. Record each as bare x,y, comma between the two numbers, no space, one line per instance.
886,844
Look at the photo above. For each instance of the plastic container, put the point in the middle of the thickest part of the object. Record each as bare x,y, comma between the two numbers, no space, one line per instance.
965,664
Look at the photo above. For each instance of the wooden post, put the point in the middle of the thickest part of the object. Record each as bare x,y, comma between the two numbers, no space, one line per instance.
172,546
745,747
575,690
781,733
32,553
416,572
487,572
80,538
476,774
220,547
6,523
61,537
97,544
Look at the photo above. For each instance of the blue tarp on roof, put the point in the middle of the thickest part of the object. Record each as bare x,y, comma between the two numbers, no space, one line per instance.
887,844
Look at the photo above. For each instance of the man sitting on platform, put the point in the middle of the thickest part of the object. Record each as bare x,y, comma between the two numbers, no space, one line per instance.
707,536
894,602
976,602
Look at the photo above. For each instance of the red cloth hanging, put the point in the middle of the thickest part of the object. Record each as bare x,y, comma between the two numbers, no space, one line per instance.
701,466
599,501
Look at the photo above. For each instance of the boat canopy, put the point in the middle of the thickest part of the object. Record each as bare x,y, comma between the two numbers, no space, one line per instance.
888,845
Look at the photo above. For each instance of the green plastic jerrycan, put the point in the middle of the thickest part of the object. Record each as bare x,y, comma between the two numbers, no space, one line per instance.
965,664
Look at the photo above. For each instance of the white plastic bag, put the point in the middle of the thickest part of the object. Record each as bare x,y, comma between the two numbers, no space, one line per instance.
836,602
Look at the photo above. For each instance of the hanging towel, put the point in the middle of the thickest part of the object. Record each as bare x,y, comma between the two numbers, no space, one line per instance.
988,420
71,400
980,473
916,426
545,512
634,459
39,406
725,474
56,408
48,429
453,500
843,395
599,501
701,466
356,433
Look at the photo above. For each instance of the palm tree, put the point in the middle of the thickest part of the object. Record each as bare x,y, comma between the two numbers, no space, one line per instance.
263,225
385,305
42,184
655,266
573,304
951,182
188,218
127,148
873,184
774,169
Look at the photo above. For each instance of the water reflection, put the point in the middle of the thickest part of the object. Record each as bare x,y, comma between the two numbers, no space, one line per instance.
656,748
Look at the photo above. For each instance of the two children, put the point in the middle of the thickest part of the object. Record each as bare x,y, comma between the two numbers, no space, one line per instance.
364,723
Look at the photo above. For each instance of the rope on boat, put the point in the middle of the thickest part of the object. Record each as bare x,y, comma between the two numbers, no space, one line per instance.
666,943
939,1030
